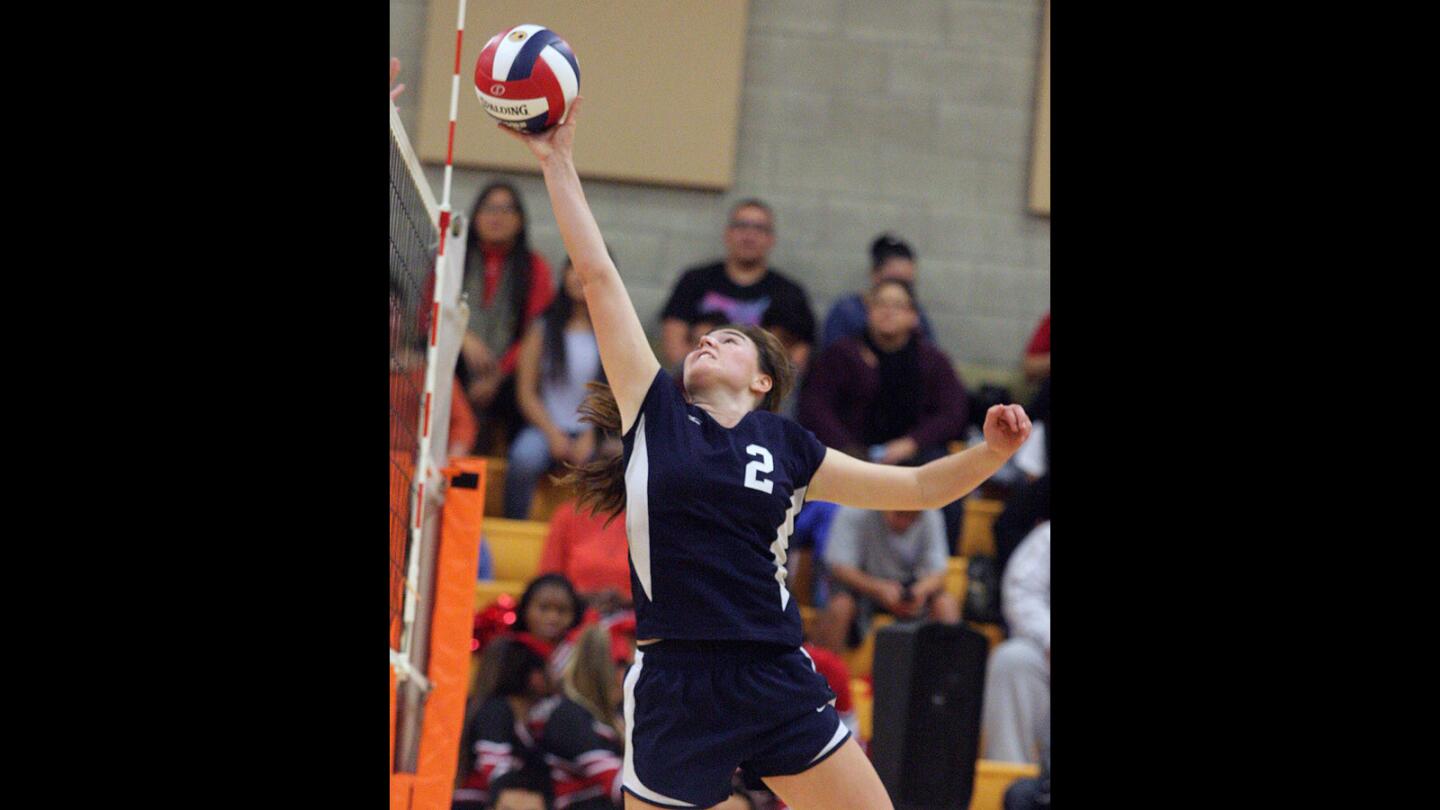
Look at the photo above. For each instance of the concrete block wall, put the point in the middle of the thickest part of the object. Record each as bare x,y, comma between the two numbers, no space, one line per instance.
856,117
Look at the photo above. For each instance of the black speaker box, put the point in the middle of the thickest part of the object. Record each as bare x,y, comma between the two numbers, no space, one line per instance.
929,682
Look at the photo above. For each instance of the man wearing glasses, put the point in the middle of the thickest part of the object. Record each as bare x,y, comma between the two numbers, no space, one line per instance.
743,288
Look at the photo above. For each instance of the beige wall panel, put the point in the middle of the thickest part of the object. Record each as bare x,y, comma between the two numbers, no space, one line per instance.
661,81
1040,161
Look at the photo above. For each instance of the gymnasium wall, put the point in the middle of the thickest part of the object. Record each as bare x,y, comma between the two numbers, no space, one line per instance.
856,117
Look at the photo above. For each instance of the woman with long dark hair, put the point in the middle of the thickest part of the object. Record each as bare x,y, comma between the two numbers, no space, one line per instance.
557,358
710,480
507,285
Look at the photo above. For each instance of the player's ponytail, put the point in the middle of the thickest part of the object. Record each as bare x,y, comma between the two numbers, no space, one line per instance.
600,484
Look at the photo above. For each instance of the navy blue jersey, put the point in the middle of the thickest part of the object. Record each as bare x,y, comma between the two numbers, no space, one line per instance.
709,512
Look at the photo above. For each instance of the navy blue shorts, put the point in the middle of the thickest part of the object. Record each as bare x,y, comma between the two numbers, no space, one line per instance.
695,711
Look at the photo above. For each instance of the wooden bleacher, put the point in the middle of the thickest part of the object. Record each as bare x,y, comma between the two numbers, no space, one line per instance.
548,494
515,547
993,778
977,531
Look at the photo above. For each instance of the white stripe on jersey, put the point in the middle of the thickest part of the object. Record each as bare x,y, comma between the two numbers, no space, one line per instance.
637,508
782,541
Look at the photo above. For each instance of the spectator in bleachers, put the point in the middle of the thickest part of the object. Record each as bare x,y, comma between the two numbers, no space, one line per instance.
888,396
525,789
548,610
507,286
558,356
1017,678
516,724
743,287
593,553
889,561
512,681
581,735
889,258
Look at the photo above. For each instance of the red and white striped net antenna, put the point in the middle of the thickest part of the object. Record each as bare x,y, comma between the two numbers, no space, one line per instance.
450,139
434,411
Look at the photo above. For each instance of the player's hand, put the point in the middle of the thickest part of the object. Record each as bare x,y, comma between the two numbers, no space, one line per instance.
1006,428
554,142
395,89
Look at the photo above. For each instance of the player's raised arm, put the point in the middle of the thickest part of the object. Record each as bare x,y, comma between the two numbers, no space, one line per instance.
630,365
849,481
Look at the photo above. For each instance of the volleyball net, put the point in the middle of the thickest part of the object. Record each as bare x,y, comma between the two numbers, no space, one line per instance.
427,318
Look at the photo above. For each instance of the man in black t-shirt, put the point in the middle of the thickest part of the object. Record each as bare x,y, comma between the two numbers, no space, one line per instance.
743,287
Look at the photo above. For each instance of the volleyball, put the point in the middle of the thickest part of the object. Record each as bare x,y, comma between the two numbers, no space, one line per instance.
527,78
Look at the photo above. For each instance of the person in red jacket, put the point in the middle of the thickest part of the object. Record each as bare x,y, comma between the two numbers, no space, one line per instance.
506,285
1037,354
592,553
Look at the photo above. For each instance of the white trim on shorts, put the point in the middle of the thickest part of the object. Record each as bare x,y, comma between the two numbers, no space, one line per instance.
630,781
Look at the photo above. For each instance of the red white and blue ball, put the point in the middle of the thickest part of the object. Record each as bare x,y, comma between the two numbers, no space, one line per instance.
527,78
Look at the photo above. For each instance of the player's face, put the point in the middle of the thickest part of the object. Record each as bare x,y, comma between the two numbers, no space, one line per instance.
723,357
498,220
549,613
749,235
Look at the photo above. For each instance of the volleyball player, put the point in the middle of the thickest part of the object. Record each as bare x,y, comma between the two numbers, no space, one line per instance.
711,480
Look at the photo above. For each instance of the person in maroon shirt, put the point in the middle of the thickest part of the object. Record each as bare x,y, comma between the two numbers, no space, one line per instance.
506,285
889,395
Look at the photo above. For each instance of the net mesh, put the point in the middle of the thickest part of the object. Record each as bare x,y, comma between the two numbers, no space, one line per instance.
413,243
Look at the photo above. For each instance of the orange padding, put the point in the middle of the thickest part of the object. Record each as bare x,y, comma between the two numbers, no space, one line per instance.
451,628
401,789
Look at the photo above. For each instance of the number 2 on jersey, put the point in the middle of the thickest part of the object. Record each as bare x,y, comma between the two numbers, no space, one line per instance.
763,464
